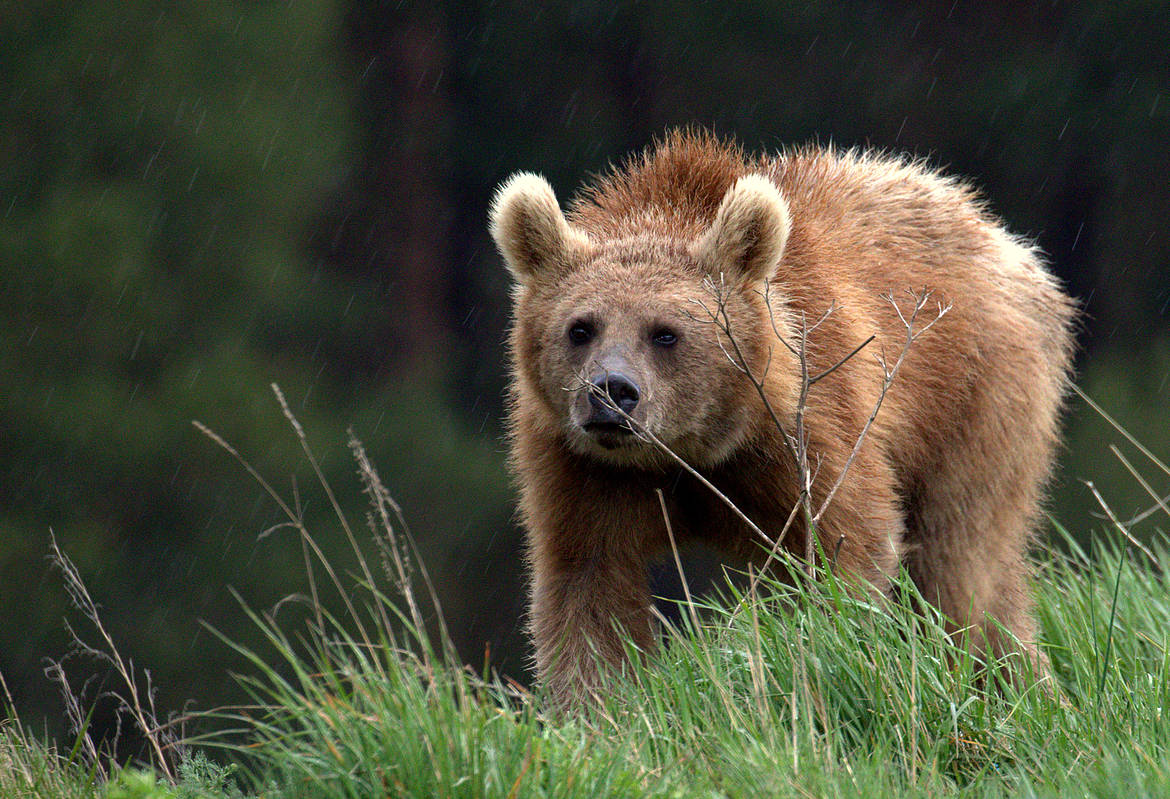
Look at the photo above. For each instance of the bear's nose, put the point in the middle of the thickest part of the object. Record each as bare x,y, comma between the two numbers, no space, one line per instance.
620,389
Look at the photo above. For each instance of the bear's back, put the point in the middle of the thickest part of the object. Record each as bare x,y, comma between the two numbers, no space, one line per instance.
868,227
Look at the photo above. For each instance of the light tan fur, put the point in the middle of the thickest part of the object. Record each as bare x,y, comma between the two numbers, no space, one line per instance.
950,478
749,232
533,234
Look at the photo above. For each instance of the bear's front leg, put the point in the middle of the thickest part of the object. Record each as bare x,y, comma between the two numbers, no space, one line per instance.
579,613
589,544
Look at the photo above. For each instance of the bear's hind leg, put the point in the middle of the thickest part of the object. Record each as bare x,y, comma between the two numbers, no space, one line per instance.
970,524
979,583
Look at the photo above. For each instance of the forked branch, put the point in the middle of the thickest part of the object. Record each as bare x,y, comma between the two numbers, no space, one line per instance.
921,300
796,439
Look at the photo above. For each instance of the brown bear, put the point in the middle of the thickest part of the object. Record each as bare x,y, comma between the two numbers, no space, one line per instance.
707,302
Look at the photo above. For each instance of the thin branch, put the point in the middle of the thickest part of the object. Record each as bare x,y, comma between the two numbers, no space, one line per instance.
678,561
796,441
889,374
828,312
840,363
767,294
722,321
773,553
646,435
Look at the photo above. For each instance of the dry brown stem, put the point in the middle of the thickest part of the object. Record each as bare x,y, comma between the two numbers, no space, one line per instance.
1121,527
135,702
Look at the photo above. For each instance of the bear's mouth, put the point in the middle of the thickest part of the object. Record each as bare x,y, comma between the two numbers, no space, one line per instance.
609,434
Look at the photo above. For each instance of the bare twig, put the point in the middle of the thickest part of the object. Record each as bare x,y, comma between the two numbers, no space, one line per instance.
678,561
920,301
719,317
841,362
806,478
767,295
640,431
754,576
797,440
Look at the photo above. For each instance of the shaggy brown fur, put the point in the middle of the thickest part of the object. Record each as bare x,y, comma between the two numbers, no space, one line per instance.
950,478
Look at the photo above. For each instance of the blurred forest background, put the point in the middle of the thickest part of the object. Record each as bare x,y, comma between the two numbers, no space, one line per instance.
202,197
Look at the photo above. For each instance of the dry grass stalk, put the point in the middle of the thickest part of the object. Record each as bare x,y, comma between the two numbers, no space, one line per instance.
137,703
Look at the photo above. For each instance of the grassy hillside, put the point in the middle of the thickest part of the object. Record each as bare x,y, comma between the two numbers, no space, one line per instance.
769,691
794,693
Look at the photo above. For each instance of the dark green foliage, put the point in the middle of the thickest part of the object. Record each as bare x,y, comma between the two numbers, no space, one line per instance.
199,778
161,169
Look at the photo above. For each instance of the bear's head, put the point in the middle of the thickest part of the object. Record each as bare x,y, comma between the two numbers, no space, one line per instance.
624,338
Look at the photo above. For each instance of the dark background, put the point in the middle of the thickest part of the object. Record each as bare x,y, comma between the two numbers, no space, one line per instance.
200,198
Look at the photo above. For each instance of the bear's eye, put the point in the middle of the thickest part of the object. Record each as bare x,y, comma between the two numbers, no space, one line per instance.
664,337
581,333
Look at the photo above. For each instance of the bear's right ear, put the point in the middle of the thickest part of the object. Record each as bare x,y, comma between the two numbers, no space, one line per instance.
751,227
530,230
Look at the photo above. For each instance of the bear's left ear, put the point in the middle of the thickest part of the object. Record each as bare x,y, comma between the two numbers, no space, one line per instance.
530,230
747,238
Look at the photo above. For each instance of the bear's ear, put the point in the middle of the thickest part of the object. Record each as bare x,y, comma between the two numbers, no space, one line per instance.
750,230
530,230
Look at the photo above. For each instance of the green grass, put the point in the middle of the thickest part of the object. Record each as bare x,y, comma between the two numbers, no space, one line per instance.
29,768
796,693
770,691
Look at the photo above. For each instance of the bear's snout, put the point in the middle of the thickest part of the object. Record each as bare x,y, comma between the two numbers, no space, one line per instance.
607,391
